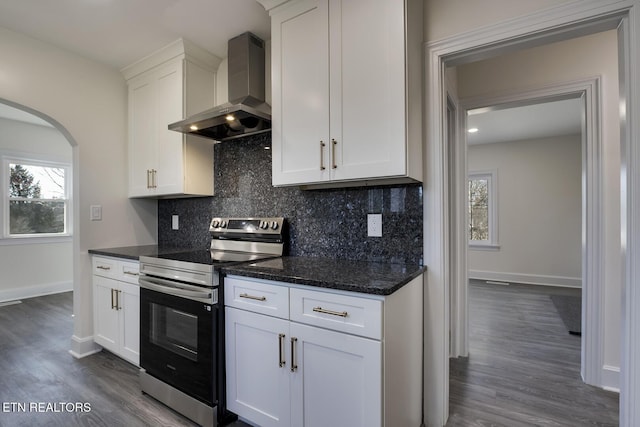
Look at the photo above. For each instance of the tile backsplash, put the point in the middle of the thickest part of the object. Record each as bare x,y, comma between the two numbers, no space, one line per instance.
328,223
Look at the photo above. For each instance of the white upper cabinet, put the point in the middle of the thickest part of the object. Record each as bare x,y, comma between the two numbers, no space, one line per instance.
166,87
347,91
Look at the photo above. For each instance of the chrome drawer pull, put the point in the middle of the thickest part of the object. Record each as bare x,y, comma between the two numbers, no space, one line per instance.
102,267
131,273
331,312
253,297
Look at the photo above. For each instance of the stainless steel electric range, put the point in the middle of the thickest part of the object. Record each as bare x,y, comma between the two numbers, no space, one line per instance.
182,317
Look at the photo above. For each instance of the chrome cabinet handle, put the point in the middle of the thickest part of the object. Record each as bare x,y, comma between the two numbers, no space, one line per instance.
322,145
148,178
333,154
131,273
331,312
247,296
154,179
166,287
113,304
118,306
102,267
281,350
294,364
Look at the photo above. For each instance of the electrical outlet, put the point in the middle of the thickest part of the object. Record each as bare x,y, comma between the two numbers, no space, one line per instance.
175,222
374,225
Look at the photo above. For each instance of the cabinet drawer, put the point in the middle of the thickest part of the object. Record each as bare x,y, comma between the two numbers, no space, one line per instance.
105,267
259,297
129,271
353,315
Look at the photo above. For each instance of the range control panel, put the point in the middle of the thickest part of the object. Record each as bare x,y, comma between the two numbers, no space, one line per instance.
247,225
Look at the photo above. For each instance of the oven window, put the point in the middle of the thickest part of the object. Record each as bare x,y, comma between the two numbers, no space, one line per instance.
174,330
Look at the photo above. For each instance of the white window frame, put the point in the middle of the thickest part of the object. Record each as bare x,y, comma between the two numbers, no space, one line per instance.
491,176
34,160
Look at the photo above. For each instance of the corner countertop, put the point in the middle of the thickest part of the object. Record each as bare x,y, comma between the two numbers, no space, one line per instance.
133,252
376,278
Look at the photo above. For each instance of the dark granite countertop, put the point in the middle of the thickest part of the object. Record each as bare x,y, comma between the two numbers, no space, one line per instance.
135,252
356,276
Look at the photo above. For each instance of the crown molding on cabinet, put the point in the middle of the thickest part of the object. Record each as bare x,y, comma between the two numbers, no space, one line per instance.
179,48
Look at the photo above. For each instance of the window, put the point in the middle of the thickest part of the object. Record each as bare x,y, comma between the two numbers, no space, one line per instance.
483,230
36,198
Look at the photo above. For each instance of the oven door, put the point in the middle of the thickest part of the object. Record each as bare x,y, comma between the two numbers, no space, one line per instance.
178,341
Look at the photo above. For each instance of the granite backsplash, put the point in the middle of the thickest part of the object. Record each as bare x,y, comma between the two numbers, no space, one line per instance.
327,223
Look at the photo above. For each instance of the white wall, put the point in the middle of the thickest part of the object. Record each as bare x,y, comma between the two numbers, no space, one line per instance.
586,57
445,18
19,278
539,211
89,102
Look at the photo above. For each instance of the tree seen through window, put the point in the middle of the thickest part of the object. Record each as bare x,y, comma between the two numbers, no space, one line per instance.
37,199
479,209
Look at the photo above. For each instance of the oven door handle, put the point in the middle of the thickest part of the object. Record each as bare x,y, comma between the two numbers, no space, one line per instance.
166,287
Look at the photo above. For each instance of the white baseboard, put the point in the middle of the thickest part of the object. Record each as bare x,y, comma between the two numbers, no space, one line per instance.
529,279
83,347
34,291
611,378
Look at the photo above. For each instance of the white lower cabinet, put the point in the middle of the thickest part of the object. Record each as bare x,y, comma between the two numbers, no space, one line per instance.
338,381
258,388
116,307
302,365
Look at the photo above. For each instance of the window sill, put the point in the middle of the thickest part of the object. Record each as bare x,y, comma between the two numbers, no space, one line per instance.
484,246
34,240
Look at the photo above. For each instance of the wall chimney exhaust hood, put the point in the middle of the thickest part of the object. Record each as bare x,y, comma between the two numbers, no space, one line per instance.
246,113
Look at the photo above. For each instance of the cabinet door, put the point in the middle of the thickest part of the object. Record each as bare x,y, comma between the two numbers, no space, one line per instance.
338,381
105,317
129,310
367,57
142,125
257,386
300,93
169,178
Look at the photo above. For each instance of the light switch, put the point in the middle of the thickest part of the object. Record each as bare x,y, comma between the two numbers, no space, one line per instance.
95,213
174,222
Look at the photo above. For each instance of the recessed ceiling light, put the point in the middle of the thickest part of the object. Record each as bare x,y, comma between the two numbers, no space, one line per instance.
472,130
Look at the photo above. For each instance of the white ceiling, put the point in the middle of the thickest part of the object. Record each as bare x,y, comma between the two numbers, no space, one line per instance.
11,113
119,32
540,120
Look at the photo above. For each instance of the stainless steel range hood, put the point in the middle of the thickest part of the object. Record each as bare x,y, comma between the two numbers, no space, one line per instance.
246,113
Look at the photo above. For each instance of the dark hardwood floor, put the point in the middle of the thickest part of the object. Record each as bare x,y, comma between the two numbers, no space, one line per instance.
523,370
523,367
36,368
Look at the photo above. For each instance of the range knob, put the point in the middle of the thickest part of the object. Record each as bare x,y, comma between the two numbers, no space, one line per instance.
223,224
274,225
264,225
215,223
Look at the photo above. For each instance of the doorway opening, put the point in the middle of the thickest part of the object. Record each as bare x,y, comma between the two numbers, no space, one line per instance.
491,41
530,160
38,205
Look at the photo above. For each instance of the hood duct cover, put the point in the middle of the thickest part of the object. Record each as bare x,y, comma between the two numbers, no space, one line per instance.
246,112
